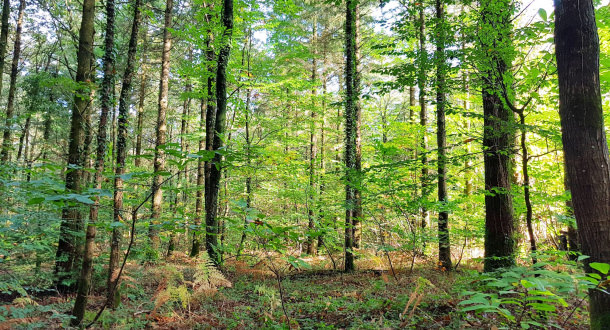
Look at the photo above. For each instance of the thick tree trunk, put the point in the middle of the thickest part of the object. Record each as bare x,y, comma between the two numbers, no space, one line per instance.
72,220
584,138
444,245
498,136
159,162
10,106
215,167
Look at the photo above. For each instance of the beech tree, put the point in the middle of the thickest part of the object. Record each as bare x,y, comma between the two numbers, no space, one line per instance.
582,123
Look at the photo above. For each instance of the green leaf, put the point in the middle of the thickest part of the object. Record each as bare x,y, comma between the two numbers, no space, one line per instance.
542,14
36,200
83,199
600,267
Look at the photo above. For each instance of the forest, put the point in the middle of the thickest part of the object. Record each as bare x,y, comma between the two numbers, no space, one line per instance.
304,164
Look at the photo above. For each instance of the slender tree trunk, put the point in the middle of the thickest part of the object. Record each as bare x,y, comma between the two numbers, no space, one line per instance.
72,220
23,138
357,216
159,163
584,138
6,12
213,184
498,136
142,98
444,244
311,247
10,106
351,132
121,153
107,104
572,232
526,188
423,117
321,176
207,120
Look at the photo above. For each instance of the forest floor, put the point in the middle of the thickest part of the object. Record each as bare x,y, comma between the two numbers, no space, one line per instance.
182,293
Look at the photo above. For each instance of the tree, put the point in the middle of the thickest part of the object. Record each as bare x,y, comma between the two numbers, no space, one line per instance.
496,53
107,103
352,118
215,169
121,151
444,245
10,106
584,137
6,12
159,162
69,247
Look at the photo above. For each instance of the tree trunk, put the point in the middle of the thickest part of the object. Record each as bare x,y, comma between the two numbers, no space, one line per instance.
159,162
584,138
526,188
351,133
10,106
311,247
72,220
6,13
204,167
142,98
444,244
423,117
215,168
121,152
107,104
498,136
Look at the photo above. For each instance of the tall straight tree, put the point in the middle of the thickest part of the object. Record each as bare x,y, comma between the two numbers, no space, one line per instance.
582,124
353,203
215,168
10,106
422,79
68,249
121,150
6,13
207,115
84,281
159,162
496,54
444,245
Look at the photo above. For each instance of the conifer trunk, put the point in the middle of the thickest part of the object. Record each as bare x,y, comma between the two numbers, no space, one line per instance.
159,162
141,98
6,13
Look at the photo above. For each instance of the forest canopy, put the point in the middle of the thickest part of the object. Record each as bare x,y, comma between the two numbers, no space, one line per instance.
304,164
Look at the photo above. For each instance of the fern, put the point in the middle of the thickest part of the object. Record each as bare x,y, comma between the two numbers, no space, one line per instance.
208,278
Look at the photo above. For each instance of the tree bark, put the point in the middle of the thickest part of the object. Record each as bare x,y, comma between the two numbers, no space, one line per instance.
311,247
423,117
584,138
10,106
142,98
352,195
444,244
107,104
498,135
121,153
72,220
6,13
159,162
213,184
